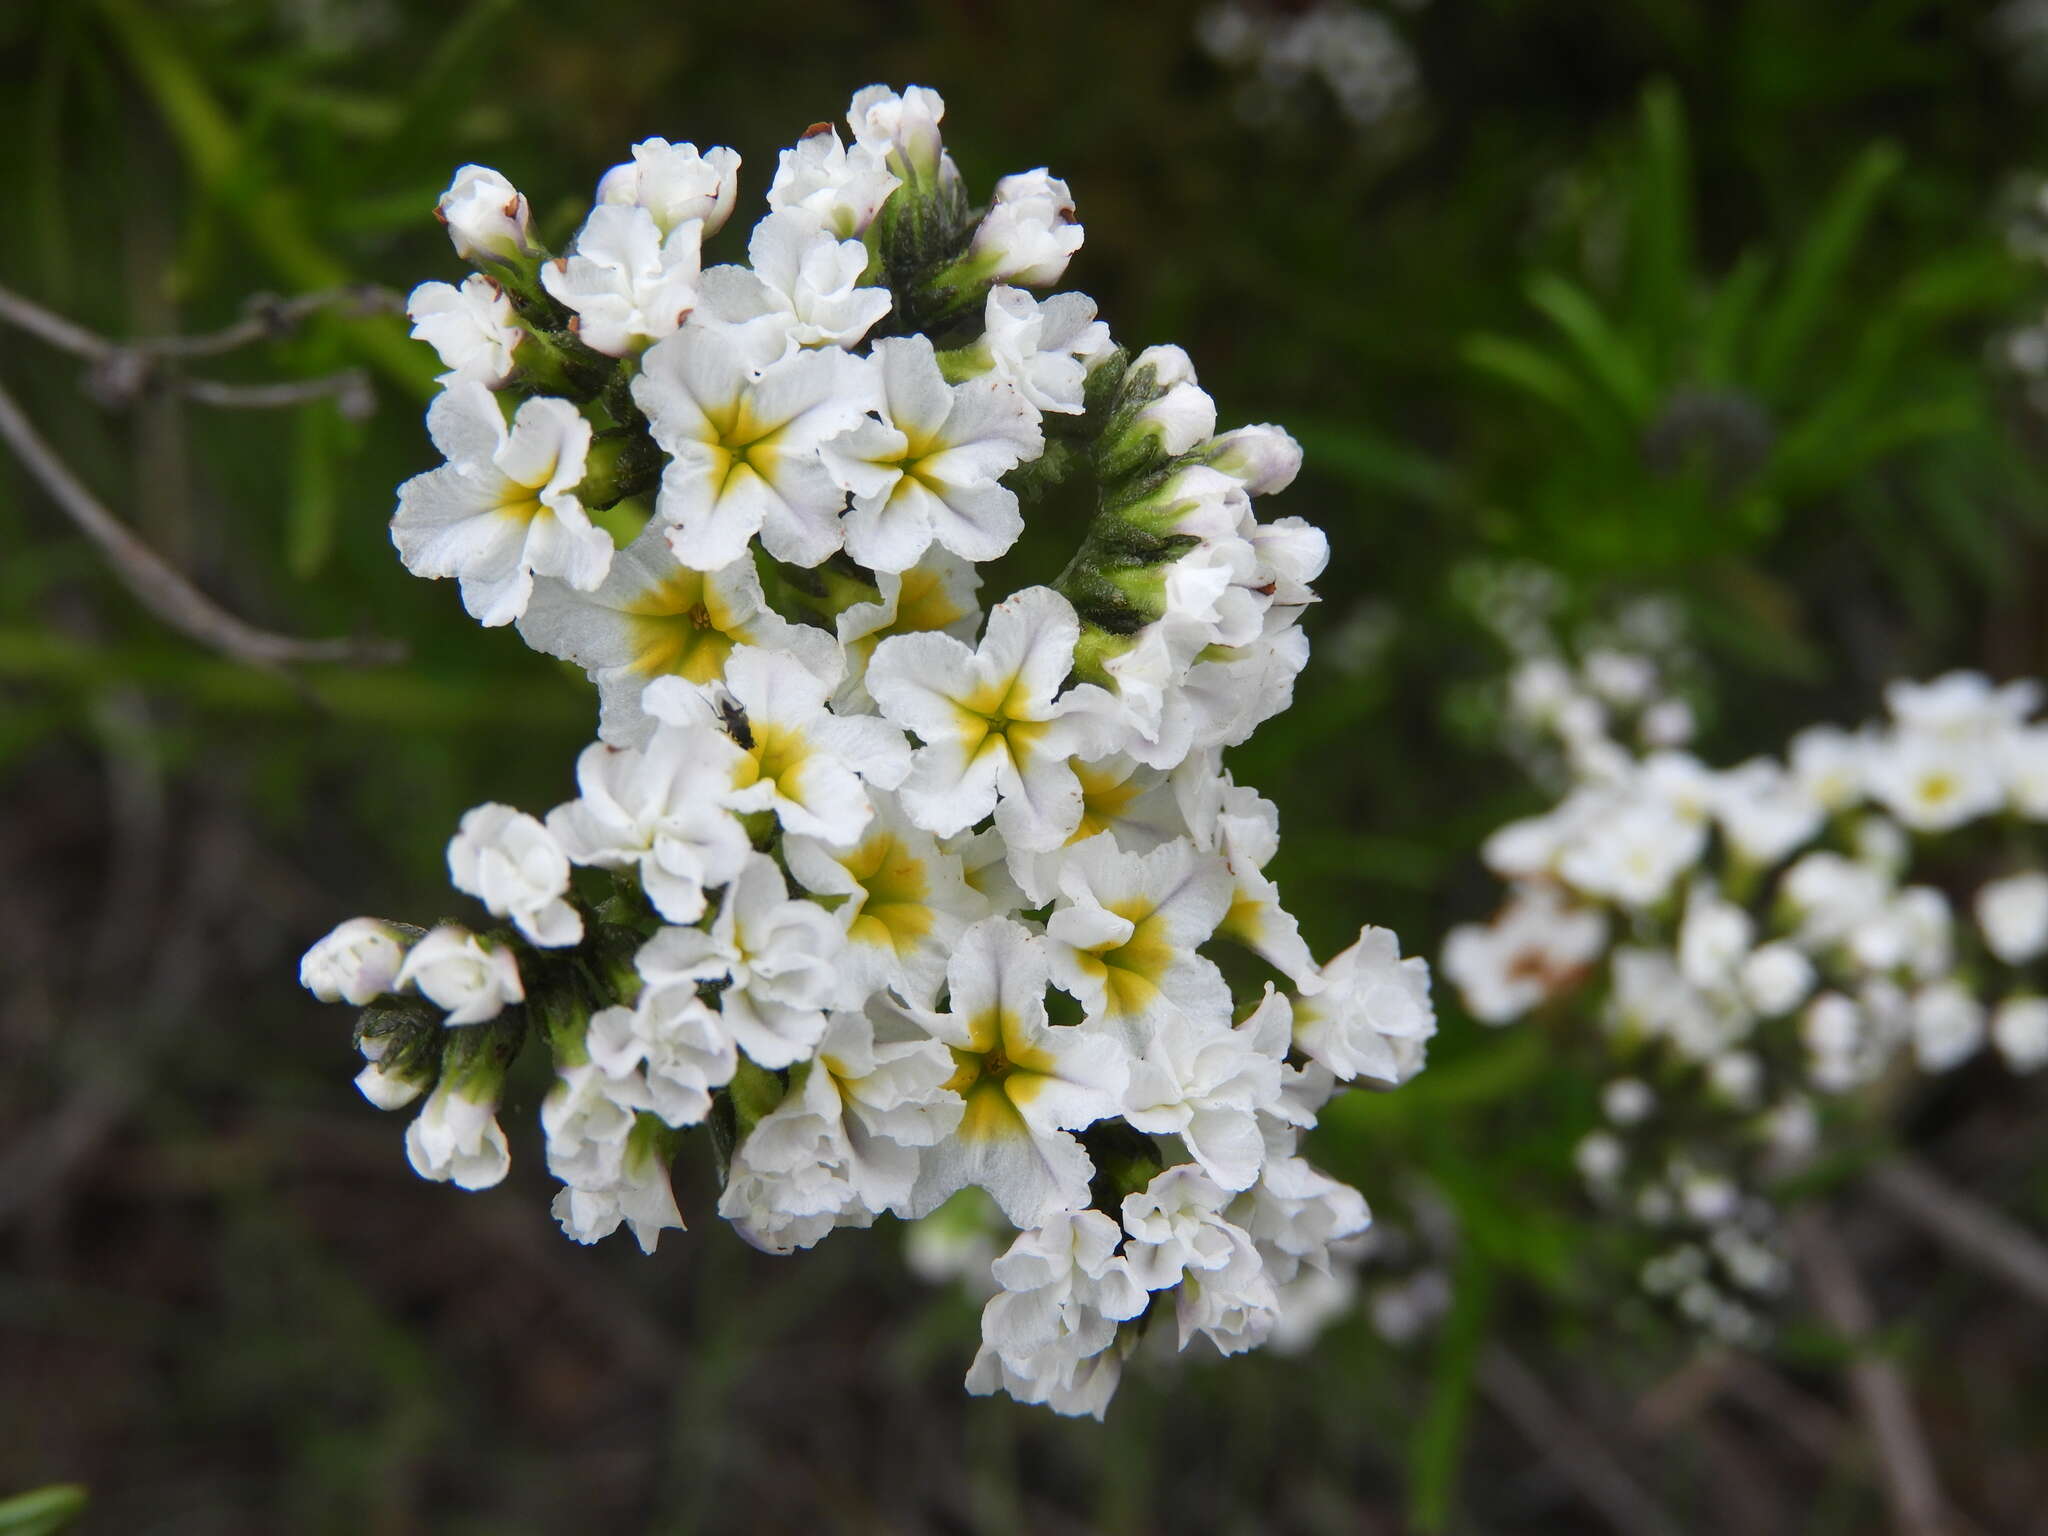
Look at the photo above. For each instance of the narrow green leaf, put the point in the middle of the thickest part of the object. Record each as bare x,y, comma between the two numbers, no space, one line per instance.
1660,234
1373,462
1726,325
1542,378
1438,1450
1811,280
1605,353
43,1511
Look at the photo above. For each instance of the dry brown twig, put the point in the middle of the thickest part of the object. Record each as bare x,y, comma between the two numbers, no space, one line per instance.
1905,1467
1572,1449
123,371
157,585
1965,1225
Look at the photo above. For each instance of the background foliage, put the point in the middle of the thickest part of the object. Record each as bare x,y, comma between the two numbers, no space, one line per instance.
1697,296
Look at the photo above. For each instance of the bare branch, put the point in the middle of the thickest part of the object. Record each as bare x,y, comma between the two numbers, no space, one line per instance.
1905,1467
158,586
1965,1224
349,388
123,370
1570,1447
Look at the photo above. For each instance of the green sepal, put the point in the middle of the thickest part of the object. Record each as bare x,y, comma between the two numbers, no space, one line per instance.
1125,1161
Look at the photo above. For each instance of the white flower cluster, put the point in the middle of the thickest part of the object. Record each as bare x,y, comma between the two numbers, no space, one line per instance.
896,897
1357,54
1765,943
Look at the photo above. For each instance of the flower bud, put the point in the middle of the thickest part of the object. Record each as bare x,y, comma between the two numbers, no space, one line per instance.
1160,412
1029,232
456,1135
676,184
843,189
357,963
402,1044
514,866
472,328
1263,459
466,976
903,130
487,217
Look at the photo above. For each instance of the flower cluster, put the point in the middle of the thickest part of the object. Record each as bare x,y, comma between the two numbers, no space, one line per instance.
896,897
1767,944
1356,54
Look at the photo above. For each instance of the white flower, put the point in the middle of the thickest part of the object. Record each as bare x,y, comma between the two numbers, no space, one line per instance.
356,963
1933,783
1047,1335
504,506
1830,766
1369,1013
1834,896
1948,1026
776,956
1295,1214
938,593
902,903
458,1138
930,469
1633,855
1628,1101
742,446
658,810
1046,349
461,974
2013,913
586,1118
1536,947
902,130
1026,1083
654,617
1264,459
1183,415
841,188
1713,938
487,217
1124,934
625,281
803,289
841,1146
666,1054
1180,1237
514,866
676,184
995,738
642,1198
1737,1077
471,327
1961,707
1622,678
1765,812
1776,978
1029,233
2019,1028
2023,761
1205,1084
796,758
1599,1157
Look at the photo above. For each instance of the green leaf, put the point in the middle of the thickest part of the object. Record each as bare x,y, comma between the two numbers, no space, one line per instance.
1438,1450
1372,462
1661,237
43,1511
1603,350
1726,324
1544,380
1814,276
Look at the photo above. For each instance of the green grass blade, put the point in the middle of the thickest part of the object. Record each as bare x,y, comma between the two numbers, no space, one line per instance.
1603,351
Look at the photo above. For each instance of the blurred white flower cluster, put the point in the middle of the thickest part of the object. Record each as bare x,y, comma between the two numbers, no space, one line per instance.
895,896
1766,945
1281,52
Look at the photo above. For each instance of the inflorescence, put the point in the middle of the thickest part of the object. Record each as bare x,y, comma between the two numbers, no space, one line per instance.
896,897
1768,949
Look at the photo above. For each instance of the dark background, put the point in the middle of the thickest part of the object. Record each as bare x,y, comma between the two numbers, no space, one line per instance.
227,1305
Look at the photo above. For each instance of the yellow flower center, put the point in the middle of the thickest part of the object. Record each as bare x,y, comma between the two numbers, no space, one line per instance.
682,627
897,912
995,1074
1130,972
